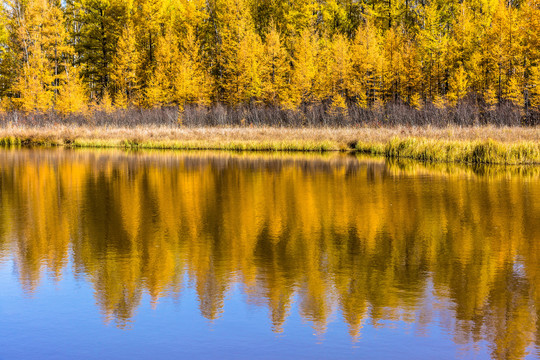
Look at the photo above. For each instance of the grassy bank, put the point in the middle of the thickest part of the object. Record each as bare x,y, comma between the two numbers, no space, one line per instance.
471,152
484,144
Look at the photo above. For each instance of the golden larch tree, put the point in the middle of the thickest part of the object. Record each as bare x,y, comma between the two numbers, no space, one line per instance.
275,68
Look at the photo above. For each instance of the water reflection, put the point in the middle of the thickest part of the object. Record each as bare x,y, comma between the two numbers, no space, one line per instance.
369,240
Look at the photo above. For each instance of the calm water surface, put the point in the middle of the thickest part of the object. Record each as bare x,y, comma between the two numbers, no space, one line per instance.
107,254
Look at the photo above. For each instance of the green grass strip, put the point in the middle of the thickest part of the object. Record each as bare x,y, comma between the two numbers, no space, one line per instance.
428,150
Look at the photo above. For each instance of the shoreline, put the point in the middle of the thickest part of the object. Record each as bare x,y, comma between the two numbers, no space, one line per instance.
470,145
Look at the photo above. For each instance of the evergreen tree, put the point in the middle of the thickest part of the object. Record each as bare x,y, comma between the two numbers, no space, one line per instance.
96,26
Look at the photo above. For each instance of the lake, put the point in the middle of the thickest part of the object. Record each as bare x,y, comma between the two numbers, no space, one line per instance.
127,255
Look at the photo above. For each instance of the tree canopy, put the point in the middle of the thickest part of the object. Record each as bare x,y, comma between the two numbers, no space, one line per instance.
69,56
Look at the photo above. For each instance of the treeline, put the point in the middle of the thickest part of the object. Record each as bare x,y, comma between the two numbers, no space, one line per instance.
309,61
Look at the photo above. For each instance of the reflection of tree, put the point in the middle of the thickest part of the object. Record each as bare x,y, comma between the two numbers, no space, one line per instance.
364,239
509,314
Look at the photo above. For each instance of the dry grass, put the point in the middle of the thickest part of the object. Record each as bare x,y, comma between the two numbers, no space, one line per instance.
450,144
221,134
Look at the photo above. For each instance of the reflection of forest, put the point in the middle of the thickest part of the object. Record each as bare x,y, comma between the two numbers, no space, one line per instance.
375,241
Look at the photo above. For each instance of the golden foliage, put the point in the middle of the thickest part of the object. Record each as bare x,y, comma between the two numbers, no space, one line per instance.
360,236
160,53
71,98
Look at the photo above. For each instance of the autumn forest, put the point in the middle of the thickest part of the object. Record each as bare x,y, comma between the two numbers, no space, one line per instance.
343,56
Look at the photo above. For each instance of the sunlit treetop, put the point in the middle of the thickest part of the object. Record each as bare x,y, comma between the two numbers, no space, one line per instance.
148,53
